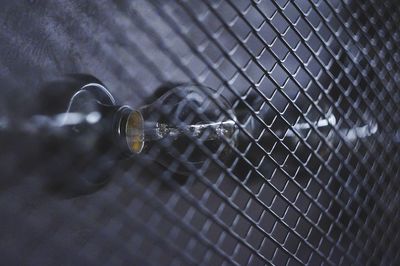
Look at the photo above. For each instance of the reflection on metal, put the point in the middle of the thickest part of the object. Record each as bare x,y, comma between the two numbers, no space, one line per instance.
151,131
360,132
66,119
214,130
183,112
348,134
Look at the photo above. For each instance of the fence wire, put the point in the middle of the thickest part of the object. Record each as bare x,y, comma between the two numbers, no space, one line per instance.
310,176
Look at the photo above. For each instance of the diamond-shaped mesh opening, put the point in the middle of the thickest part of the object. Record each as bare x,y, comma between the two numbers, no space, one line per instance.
305,170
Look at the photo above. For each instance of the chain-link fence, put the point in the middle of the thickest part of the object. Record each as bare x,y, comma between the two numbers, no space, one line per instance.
272,136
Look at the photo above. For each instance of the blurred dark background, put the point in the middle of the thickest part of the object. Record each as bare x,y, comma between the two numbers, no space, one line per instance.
311,200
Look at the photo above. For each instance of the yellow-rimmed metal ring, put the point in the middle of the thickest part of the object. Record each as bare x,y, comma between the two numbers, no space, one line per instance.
135,132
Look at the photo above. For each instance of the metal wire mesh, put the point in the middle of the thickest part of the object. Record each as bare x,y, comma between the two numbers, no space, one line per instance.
313,178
